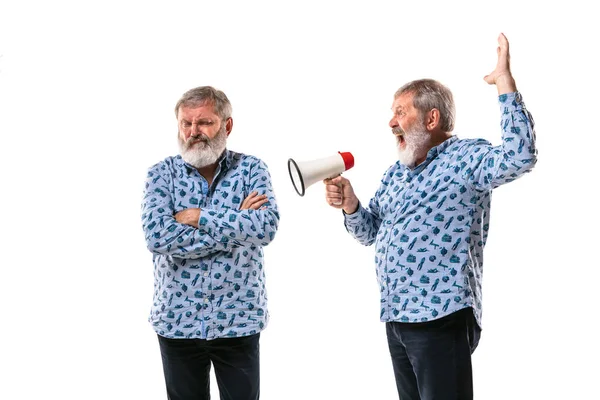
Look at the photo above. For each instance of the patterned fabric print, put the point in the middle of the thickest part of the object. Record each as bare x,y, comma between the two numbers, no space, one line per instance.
208,282
430,224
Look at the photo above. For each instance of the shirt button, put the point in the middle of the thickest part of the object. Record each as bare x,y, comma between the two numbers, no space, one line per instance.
206,274
206,300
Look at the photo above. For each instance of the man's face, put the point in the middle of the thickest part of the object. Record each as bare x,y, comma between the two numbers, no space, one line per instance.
202,134
411,134
194,121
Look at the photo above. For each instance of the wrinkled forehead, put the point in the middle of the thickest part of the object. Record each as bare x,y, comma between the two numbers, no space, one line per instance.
404,101
197,110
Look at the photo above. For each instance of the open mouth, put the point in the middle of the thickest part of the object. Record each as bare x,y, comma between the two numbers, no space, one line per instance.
400,139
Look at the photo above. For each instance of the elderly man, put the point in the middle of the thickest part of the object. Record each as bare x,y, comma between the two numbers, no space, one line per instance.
429,221
207,214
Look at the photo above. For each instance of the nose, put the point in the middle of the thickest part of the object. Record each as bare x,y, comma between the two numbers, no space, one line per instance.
194,130
393,123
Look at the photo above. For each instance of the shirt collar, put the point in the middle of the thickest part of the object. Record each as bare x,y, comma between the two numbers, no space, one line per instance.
440,148
431,155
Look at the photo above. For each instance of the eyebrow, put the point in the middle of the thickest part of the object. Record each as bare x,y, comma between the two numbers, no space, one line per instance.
206,119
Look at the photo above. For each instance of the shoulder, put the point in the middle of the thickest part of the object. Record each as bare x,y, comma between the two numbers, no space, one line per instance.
166,167
247,161
467,146
394,169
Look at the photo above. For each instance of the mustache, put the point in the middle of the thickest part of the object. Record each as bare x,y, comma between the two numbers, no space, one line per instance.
192,140
398,131
198,138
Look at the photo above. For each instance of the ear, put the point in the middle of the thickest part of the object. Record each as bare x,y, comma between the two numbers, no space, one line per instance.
229,125
432,119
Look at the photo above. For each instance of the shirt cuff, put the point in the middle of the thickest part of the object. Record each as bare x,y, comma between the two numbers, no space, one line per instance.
356,216
511,101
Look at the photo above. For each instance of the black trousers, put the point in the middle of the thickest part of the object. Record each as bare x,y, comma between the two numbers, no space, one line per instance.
186,364
432,360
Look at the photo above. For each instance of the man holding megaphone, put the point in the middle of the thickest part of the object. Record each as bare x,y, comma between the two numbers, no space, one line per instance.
429,222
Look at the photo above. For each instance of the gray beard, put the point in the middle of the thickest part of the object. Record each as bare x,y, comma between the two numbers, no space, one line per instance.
204,152
417,142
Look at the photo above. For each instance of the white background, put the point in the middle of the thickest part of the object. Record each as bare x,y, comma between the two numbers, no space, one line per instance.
87,92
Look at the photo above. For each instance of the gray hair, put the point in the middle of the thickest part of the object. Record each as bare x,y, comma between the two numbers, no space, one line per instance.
206,95
429,94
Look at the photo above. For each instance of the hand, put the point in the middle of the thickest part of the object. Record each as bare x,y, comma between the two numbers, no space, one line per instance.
189,216
501,76
254,201
339,194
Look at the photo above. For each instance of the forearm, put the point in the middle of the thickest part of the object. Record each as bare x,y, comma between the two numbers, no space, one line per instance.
241,227
515,156
506,84
518,134
362,225
166,236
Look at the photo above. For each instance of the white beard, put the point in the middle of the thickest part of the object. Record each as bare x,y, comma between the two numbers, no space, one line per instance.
417,143
200,151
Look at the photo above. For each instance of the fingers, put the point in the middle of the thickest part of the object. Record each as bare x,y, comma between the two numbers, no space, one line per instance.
335,200
259,203
502,50
254,201
503,41
246,203
502,70
337,180
333,192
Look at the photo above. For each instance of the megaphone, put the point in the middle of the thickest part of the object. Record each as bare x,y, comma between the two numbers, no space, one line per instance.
304,174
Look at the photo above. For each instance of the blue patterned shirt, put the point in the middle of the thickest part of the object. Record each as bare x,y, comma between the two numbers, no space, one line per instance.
209,282
430,224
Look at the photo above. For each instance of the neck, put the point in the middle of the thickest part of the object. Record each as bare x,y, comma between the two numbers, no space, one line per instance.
208,172
436,140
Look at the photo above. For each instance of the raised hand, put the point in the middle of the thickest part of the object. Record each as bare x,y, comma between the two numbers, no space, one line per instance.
501,75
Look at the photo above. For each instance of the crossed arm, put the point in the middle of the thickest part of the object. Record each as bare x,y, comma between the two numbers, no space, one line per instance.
191,216
195,232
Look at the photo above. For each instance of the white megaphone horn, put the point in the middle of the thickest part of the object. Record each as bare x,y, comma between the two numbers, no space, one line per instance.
304,174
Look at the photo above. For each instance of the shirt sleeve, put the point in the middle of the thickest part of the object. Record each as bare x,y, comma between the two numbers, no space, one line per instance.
164,235
493,166
364,223
245,227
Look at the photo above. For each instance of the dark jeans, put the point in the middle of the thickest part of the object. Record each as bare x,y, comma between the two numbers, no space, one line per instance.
186,364
432,360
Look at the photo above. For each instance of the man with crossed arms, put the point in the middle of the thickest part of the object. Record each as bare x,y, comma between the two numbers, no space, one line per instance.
207,214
